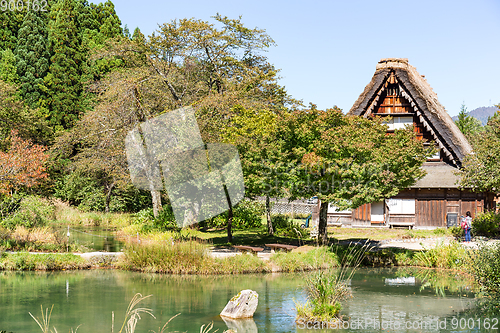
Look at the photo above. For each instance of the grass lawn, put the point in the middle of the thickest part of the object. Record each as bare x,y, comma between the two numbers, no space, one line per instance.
259,236
378,234
253,237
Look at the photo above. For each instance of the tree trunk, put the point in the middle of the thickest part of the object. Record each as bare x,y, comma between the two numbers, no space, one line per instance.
270,229
108,196
229,215
229,224
156,196
322,231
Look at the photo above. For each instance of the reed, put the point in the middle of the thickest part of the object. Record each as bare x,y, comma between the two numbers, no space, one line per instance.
326,290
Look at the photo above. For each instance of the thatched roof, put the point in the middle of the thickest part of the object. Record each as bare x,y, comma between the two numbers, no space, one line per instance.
438,175
424,101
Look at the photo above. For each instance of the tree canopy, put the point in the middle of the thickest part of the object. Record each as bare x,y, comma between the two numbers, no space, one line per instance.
345,160
481,169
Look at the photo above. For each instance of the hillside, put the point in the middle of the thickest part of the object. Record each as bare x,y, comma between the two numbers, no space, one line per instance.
482,113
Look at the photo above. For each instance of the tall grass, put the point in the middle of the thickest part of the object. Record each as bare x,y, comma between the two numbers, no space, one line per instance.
37,262
187,257
317,258
452,256
68,215
326,290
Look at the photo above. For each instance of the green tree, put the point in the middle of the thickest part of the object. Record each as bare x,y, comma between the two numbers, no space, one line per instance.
15,115
188,62
8,69
32,57
63,80
10,23
346,161
252,131
467,124
481,169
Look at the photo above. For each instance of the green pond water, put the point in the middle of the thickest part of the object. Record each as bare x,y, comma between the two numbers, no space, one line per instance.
380,297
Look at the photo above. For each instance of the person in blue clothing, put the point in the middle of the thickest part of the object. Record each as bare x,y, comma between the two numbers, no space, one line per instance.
467,225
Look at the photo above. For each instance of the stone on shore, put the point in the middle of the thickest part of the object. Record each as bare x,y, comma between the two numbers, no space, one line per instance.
242,305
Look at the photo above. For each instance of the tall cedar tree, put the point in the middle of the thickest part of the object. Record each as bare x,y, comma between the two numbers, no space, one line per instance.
467,124
63,80
10,23
32,55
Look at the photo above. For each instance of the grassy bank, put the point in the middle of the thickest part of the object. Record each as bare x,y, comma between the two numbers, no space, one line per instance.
44,261
192,257
452,256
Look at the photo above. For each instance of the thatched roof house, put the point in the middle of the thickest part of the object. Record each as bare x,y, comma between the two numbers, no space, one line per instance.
399,91
422,100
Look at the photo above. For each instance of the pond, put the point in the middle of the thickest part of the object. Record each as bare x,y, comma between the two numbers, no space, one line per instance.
95,238
380,297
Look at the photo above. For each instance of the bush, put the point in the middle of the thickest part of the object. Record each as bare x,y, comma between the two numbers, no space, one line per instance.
247,214
32,212
165,220
284,227
457,232
486,224
486,267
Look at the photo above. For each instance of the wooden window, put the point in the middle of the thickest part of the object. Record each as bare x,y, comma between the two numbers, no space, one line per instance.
401,206
399,123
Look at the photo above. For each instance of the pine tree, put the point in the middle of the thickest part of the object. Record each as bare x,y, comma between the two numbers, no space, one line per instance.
32,57
8,71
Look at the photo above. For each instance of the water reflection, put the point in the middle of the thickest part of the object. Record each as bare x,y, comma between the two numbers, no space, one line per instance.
89,297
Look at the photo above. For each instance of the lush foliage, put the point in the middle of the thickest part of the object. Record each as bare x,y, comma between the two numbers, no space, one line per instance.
467,124
247,214
486,224
345,160
486,267
284,226
481,170
32,212
163,222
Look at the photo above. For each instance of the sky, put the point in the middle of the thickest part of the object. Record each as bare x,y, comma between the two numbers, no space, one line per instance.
327,50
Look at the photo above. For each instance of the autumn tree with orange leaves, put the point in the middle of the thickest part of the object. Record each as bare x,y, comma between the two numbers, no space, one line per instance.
23,165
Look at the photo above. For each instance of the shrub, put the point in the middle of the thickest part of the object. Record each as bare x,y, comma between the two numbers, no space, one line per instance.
457,232
284,227
486,224
449,256
32,212
486,267
317,258
29,262
165,220
247,214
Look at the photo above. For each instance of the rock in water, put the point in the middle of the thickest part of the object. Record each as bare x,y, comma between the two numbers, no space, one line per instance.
242,305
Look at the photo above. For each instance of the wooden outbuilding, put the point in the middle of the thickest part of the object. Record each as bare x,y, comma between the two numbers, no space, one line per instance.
399,91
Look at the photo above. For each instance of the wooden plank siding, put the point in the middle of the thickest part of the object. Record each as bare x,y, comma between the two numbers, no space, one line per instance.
431,208
362,215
